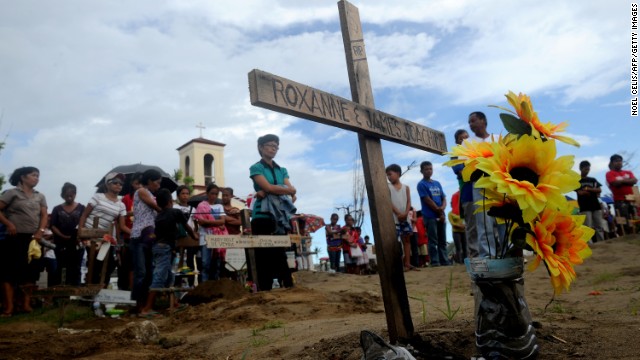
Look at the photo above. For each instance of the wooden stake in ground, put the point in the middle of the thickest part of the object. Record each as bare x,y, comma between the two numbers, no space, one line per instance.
286,96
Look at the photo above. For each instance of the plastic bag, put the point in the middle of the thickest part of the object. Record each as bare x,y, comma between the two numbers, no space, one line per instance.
35,250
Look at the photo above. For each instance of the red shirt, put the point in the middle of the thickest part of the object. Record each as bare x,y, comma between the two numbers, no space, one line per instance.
422,232
127,200
620,192
455,203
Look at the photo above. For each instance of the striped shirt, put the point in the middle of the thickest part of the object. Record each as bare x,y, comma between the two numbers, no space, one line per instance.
106,210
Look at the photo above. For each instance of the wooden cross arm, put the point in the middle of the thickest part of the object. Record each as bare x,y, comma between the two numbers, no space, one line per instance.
286,96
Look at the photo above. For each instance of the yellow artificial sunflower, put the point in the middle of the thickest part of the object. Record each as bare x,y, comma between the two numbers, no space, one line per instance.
522,104
561,242
468,154
527,171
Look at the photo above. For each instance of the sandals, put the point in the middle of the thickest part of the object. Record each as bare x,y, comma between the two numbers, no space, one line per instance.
150,315
406,269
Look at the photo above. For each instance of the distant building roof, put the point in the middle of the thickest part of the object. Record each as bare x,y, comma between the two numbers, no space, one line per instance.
201,140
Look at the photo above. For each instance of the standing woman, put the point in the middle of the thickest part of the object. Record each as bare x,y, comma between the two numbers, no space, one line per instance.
143,236
107,207
270,179
334,242
23,210
64,225
350,236
211,219
182,202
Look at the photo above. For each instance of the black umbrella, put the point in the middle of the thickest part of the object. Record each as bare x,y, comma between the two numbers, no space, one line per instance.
196,199
129,170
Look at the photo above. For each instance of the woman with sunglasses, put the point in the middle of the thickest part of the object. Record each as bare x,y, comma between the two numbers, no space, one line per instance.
107,207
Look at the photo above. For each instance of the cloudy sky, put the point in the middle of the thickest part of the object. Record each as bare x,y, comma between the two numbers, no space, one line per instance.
86,86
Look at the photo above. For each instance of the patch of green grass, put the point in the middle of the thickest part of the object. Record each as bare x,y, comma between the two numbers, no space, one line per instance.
557,308
449,313
633,240
634,306
605,278
424,307
260,339
51,315
275,324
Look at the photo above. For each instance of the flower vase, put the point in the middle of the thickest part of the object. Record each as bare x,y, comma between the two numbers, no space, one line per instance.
503,320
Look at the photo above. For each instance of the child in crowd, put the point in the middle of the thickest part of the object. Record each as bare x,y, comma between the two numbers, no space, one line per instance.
166,231
433,202
401,205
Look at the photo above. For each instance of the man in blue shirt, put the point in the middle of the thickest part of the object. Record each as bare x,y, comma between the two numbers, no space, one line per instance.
433,203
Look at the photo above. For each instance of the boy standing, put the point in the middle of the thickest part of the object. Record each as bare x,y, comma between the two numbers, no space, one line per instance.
401,204
166,231
433,203
588,194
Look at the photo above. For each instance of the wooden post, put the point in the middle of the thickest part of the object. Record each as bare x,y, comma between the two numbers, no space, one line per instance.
388,255
95,236
279,94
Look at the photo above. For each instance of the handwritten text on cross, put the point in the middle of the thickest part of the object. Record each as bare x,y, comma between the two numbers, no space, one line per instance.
277,93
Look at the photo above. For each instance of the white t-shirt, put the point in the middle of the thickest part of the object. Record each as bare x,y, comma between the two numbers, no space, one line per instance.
185,210
398,199
107,210
479,139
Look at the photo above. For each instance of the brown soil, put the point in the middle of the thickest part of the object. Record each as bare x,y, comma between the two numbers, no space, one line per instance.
321,318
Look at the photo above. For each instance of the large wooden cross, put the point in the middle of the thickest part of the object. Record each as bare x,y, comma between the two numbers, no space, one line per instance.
286,96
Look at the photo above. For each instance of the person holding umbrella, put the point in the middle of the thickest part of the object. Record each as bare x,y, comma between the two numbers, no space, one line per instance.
145,210
107,207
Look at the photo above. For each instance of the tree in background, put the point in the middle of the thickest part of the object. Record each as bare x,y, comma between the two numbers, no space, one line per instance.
356,207
179,177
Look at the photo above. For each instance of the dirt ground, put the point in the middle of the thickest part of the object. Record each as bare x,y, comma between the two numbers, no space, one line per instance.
321,318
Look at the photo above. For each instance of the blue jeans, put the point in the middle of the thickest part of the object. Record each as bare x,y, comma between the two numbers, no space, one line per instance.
162,275
437,241
142,269
206,262
334,259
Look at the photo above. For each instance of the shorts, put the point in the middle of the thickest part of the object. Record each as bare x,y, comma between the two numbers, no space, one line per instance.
404,229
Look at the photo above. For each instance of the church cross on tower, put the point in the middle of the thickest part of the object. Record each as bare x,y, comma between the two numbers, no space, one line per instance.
200,126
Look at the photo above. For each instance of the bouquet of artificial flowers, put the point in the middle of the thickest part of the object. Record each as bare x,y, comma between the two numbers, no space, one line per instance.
524,183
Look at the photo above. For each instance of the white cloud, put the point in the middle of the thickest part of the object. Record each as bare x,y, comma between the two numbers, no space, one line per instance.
88,86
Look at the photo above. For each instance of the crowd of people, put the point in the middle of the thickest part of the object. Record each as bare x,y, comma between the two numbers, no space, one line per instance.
422,234
148,224
143,229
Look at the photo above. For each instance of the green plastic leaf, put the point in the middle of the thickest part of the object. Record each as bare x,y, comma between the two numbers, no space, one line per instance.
514,125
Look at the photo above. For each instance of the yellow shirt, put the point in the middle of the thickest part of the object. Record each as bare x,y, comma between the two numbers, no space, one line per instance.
457,224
